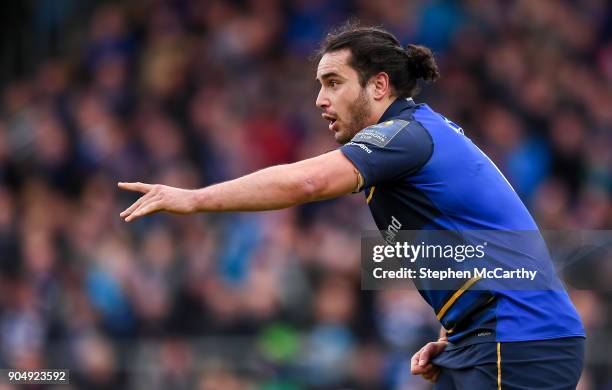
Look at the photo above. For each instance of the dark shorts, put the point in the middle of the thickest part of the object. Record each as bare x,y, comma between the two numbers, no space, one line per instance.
529,365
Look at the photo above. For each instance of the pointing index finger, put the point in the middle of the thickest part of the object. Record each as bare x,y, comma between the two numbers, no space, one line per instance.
140,187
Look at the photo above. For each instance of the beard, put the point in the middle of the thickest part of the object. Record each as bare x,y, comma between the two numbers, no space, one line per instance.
359,112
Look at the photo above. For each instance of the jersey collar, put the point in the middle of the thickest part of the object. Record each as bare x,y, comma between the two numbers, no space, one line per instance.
395,108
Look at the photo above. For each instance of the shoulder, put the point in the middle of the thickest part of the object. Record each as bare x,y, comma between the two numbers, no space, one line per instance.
382,133
392,131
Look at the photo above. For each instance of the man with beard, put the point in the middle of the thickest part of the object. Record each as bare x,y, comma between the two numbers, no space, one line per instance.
418,171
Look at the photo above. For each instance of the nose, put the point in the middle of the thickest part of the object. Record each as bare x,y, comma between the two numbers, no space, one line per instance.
322,100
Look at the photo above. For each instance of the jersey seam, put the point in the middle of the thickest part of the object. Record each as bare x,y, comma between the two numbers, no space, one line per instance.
563,336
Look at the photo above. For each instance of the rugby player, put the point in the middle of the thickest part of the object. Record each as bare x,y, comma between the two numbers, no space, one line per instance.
418,170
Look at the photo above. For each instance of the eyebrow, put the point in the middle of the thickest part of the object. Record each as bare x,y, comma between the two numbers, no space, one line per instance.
329,75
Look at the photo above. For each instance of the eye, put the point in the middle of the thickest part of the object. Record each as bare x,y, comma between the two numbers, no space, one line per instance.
333,84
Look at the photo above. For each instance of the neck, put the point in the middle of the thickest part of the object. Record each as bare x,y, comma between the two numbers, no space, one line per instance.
379,108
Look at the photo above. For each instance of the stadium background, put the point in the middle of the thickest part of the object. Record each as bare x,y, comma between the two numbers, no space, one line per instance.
189,93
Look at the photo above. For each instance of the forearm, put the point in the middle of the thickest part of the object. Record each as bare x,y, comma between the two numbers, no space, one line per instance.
269,189
275,187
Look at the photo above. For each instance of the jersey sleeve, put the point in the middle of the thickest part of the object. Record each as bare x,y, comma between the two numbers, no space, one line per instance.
389,150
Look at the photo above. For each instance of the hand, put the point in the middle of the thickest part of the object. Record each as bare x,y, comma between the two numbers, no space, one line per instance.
420,364
156,198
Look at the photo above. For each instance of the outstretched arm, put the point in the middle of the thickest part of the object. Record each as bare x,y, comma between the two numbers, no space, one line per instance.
322,177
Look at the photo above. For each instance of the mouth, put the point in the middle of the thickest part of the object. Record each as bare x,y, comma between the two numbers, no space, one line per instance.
332,121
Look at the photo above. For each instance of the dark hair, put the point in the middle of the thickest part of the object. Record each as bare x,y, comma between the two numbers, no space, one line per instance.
375,50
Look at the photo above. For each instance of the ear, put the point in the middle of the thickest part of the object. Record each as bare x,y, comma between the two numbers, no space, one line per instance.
380,85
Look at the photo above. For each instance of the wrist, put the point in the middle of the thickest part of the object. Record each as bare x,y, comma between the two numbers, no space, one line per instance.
199,200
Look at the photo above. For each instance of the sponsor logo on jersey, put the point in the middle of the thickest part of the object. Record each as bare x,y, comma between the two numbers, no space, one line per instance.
392,230
362,146
380,134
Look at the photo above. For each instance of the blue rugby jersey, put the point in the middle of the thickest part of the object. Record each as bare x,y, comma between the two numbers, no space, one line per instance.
422,173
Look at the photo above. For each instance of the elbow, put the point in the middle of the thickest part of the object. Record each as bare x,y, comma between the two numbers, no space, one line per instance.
311,187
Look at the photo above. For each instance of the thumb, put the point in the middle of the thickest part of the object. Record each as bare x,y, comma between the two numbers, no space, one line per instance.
425,354
416,358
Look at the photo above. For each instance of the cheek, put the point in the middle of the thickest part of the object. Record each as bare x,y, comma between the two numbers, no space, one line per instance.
344,99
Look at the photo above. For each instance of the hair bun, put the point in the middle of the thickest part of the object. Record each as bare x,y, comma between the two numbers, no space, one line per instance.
422,63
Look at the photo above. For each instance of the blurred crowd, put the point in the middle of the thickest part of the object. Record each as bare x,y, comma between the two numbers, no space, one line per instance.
189,93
